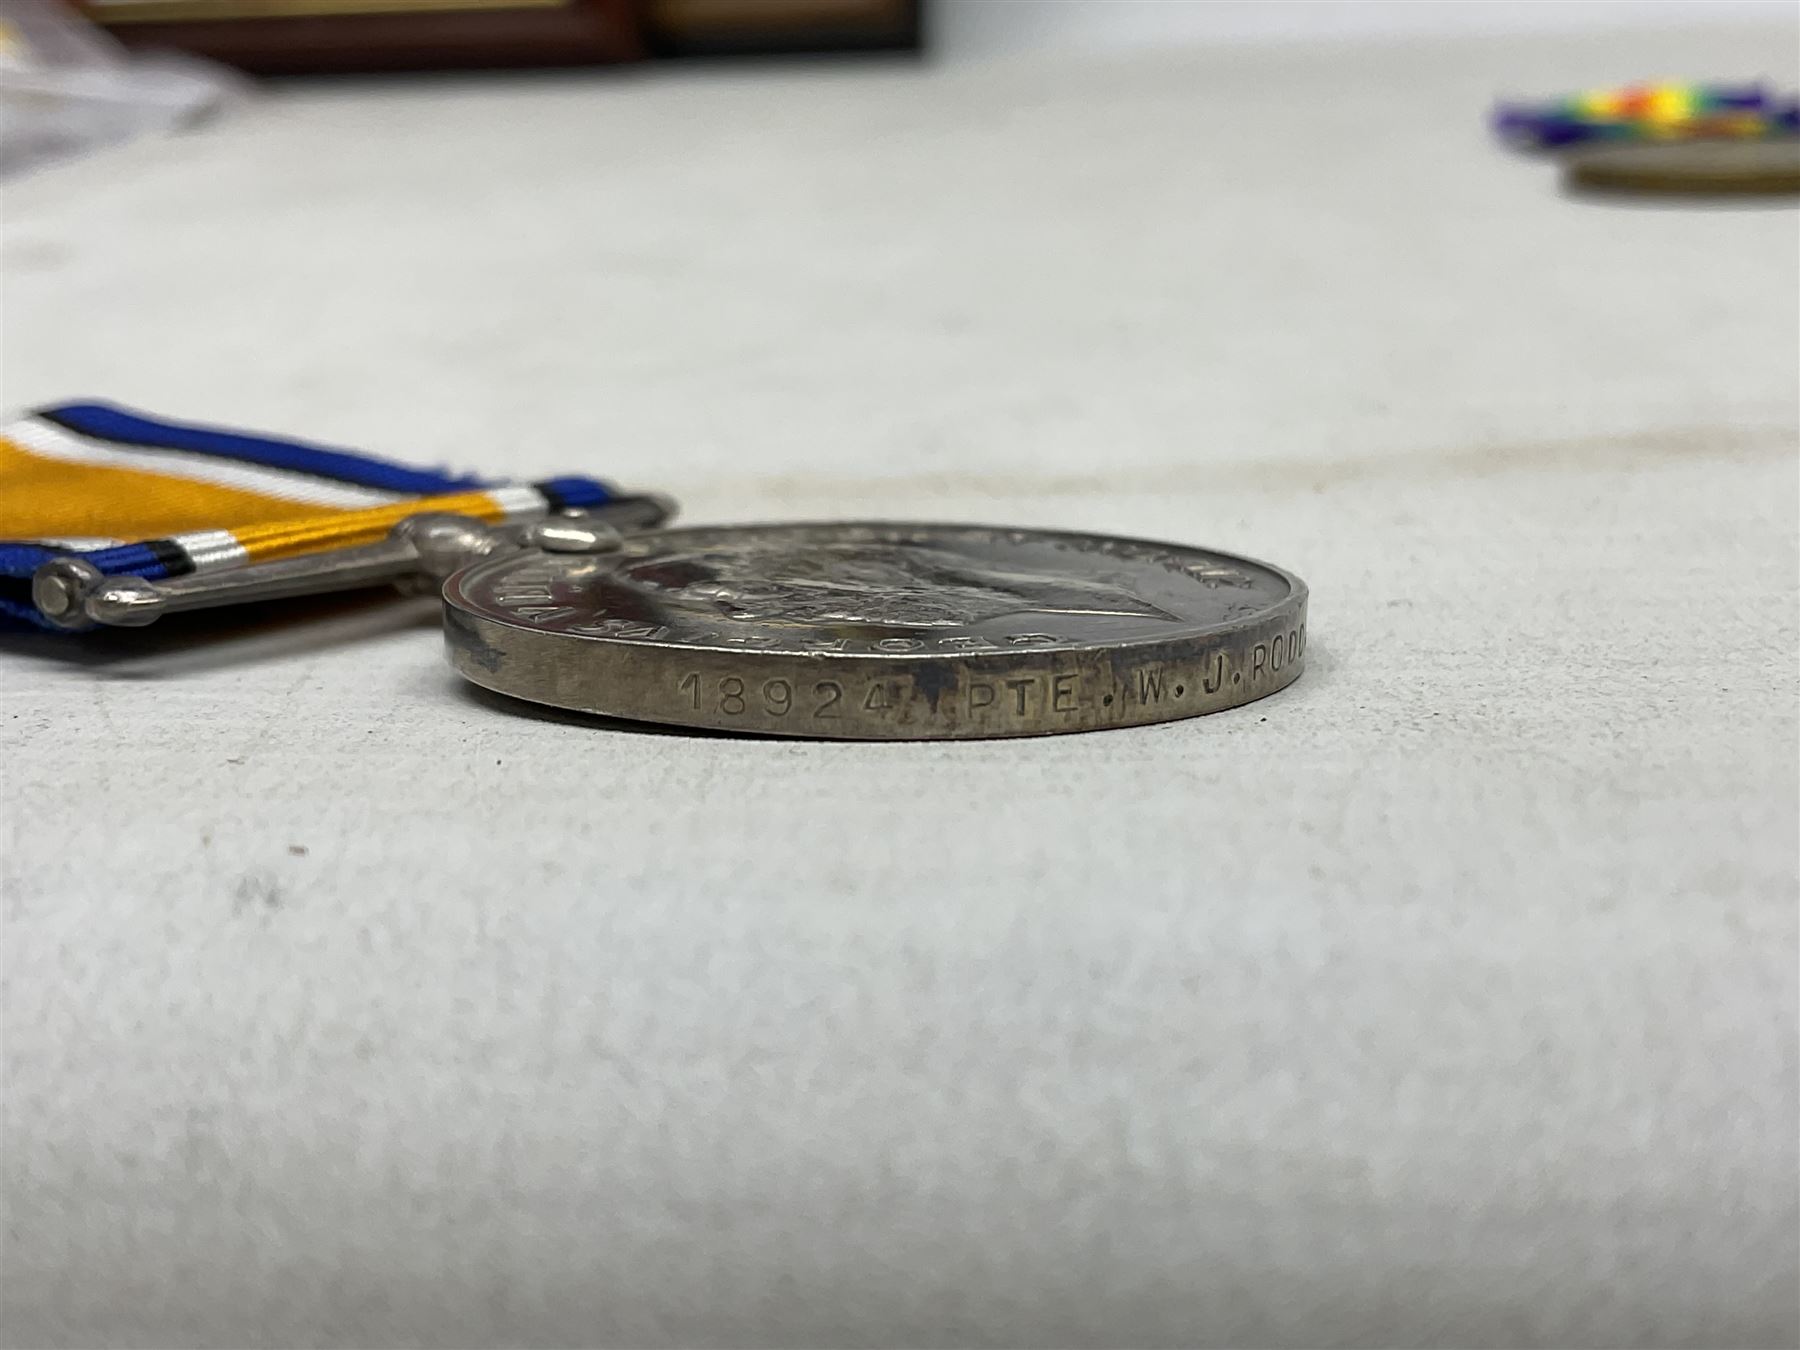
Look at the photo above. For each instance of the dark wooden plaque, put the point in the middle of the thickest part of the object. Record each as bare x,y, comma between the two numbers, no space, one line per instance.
704,27
285,37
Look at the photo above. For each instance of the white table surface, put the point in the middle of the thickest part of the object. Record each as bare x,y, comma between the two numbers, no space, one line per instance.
1447,998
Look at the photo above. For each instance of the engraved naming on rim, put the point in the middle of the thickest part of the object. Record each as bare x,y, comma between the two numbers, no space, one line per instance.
886,631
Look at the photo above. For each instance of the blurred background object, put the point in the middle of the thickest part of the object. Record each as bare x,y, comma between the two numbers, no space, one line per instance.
296,36
67,88
1751,167
695,27
1650,112
301,36
292,37
1688,139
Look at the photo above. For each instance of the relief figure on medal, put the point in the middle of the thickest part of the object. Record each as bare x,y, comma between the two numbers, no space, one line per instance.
910,586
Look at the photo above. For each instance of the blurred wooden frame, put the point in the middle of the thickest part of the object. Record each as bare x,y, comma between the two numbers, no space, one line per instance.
303,36
283,37
682,27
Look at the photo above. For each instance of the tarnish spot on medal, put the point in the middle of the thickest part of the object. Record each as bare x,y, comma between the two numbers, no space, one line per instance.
933,682
461,635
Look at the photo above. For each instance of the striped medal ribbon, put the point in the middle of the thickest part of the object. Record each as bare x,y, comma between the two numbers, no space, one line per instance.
92,490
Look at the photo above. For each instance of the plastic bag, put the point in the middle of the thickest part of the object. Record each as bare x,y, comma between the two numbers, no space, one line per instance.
67,88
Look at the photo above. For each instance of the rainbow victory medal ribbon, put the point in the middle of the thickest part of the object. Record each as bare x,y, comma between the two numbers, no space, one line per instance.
1650,112
136,496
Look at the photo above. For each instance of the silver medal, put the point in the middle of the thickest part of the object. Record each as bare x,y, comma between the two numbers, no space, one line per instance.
879,631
